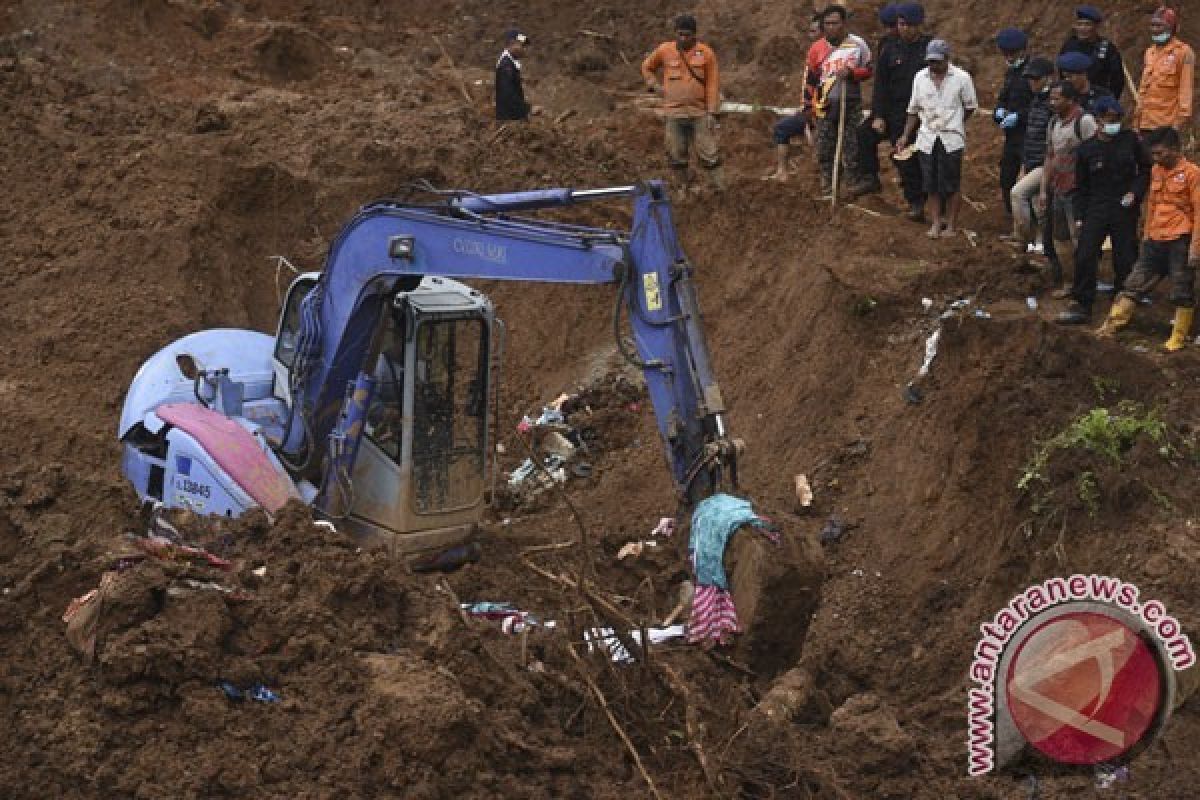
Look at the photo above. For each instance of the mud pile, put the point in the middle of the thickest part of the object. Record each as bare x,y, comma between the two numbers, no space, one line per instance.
163,153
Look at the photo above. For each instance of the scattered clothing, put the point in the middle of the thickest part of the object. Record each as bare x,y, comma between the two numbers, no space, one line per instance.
715,520
83,617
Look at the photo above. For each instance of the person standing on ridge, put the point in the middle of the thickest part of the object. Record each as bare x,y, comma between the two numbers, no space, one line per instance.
510,94
691,90
1033,155
1170,245
1070,127
900,59
1105,68
1168,77
1112,174
943,99
838,63
793,125
1012,109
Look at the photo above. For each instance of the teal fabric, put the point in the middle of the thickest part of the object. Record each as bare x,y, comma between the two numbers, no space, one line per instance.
714,521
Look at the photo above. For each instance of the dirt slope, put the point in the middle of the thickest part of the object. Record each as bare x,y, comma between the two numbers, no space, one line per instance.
162,152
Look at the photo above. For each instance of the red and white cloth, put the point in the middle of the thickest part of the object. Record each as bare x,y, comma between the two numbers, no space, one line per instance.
714,616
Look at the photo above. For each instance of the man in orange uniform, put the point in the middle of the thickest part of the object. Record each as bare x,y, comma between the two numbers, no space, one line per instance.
691,92
1172,239
1168,74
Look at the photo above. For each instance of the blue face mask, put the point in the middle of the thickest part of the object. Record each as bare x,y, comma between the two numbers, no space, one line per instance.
1112,128
1161,38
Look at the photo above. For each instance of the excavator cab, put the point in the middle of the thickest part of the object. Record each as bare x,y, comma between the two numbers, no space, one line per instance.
416,481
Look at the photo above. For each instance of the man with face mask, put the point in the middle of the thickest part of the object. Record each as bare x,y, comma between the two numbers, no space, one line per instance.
1171,244
943,99
838,64
1104,60
1012,108
691,93
1074,68
901,57
1112,174
1168,76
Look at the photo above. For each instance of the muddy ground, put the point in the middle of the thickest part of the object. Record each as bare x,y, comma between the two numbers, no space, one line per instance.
161,153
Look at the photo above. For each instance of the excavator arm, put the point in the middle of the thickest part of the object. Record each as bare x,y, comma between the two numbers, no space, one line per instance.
390,247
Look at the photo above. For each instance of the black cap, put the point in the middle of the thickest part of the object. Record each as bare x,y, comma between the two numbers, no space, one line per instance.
685,22
1038,68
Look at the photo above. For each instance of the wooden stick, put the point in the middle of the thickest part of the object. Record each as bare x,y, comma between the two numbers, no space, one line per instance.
597,34
616,726
462,85
837,157
1137,98
857,207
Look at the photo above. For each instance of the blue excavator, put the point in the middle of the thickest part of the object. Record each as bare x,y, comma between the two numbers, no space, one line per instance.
371,402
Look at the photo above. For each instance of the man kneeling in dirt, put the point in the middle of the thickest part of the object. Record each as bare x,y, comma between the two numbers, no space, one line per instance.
1171,245
691,93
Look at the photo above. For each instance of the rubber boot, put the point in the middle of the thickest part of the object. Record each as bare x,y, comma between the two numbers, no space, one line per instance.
1118,316
1180,330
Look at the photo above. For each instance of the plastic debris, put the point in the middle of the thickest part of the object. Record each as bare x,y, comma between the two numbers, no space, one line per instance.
1103,287
979,313
634,549
1108,775
1031,303
926,303
512,619
261,572
804,492
931,348
606,640
833,531
665,527
257,693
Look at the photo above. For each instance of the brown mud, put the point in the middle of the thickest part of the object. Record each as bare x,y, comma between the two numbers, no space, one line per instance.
161,153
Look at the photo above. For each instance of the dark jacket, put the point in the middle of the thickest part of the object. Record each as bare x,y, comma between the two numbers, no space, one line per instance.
1107,171
1033,153
898,63
1016,96
510,95
1106,69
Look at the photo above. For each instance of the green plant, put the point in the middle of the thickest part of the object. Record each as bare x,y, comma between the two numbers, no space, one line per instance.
1089,492
1105,385
1098,431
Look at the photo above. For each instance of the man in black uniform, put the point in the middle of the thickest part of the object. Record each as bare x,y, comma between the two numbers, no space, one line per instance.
510,94
1076,68
900,58
1105,69
1112,174
1012,109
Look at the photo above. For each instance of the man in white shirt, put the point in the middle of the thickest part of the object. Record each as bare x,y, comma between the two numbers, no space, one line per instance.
943,99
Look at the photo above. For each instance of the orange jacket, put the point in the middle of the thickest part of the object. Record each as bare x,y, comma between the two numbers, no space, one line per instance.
1168,75
685,94
1173,207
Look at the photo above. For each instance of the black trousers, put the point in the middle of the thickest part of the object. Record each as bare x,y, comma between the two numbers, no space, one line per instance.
868,158
1010,168
1104,219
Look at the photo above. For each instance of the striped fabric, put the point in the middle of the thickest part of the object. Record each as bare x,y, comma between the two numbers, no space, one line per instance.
713,616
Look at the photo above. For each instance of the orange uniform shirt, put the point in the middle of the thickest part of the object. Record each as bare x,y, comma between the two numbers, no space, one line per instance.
685,94
1168,77
1173,206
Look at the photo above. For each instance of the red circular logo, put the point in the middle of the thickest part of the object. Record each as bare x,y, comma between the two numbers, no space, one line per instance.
1083,688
